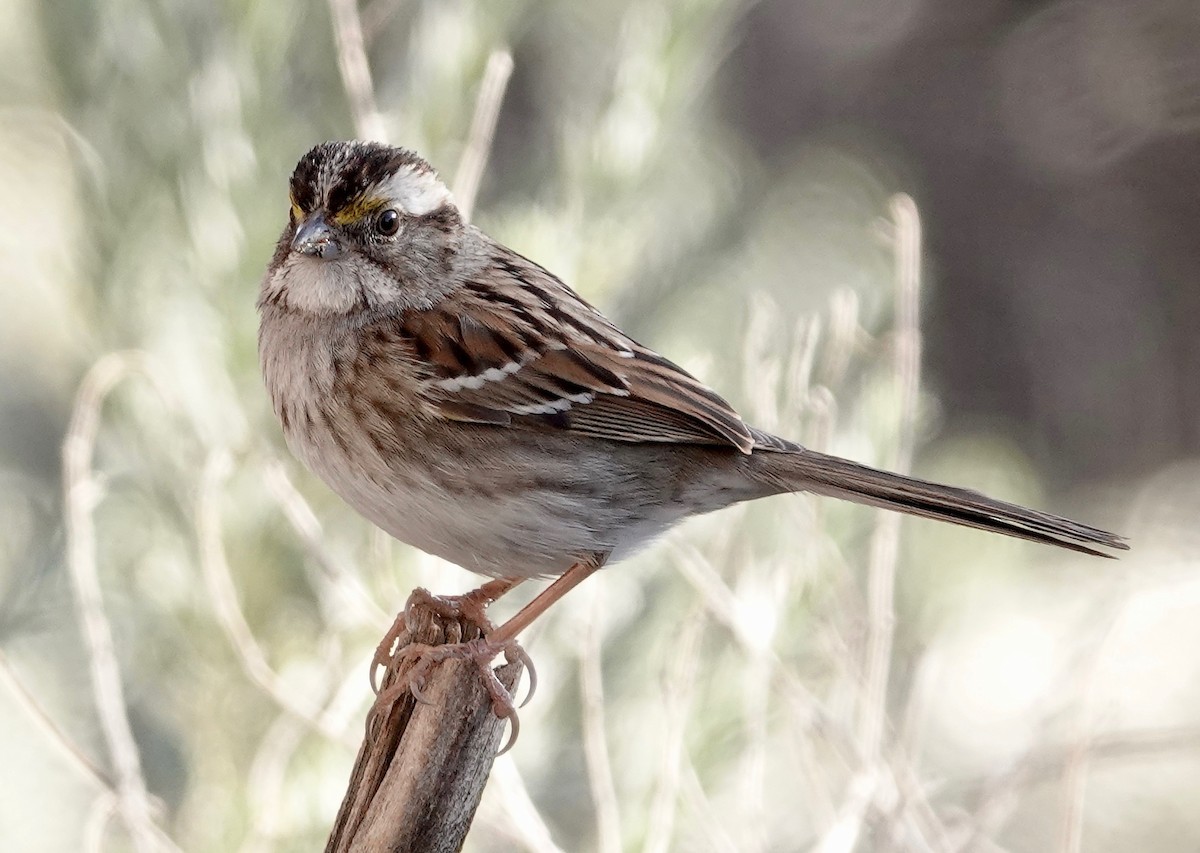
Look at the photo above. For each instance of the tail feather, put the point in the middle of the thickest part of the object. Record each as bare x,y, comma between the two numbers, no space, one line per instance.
809,471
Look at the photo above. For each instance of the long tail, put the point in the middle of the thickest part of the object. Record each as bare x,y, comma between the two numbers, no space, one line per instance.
809,471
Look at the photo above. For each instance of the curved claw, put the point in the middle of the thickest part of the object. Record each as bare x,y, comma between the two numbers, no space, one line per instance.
383,652
502,703
408,664
379,660
514,723
417,692
518,652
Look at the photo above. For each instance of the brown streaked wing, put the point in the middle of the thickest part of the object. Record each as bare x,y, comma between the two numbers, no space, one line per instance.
518,343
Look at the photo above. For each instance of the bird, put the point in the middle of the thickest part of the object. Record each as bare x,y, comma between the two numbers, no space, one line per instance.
469,403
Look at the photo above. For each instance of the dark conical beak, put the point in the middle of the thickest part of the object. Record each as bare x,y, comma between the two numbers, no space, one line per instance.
315,238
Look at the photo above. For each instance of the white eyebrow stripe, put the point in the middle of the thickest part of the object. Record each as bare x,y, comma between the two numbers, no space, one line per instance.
416,191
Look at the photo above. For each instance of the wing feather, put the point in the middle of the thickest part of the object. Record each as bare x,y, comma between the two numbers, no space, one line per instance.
516,347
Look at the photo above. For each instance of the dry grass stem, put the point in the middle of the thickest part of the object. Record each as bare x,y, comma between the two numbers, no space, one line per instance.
306,525
483,129
843,336
703,811
755,693
881,572
917,806
761,368
222,593
1047,762
875,778
375,16
846,832
95,825
807,712
679,691
266,781
1074,782
1075,771
803,361
81,494
996,796
355,70
595,738
717,598
520,813
55,736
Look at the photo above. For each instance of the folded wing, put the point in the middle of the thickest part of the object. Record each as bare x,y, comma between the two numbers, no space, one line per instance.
517,347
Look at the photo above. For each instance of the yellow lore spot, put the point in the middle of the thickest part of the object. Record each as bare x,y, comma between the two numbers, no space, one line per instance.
359,208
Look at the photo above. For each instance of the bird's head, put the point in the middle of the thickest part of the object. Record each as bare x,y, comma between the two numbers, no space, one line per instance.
370,226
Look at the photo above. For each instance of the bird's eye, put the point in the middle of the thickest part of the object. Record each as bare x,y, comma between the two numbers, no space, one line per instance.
388,223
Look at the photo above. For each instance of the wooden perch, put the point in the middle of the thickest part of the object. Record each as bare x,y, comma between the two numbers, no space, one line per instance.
421,768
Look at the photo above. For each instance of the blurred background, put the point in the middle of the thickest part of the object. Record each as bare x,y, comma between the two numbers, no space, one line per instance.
721,178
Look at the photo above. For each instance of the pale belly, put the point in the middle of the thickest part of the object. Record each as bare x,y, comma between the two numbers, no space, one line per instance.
501,519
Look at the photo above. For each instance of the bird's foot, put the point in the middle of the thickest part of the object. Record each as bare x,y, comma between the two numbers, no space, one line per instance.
467,631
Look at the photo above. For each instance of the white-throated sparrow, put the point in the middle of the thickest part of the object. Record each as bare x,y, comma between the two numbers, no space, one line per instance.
469,403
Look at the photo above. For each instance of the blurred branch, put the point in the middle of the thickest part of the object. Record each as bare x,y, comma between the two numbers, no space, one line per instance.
812,717
81,493
304,521
703,811
864,787
346,699
483,131
846,831
223,594
595,740
54,735
268,773
1075,772
521,814
95,825
375,16
994,794
355,70
914,793
1043,764
679,690
718,599
1075,787
422,765
845,334
755,695
915,804
881,572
